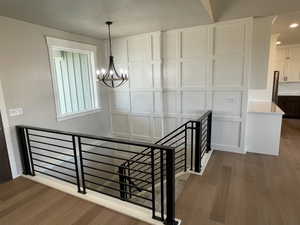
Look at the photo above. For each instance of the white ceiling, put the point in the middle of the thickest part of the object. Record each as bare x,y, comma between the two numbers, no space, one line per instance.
136,16
233,9
281,26
88,16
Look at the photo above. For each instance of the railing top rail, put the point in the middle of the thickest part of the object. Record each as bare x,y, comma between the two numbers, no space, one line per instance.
202,117
178,128
101,138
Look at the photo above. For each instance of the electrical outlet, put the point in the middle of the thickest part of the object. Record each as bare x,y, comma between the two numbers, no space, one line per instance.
15,112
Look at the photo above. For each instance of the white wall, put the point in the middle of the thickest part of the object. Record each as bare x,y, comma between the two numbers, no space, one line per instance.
262,27
26,80
177,73
265,94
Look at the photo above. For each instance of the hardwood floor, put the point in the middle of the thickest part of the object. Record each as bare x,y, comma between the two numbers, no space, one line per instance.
236,189
24,202
247,189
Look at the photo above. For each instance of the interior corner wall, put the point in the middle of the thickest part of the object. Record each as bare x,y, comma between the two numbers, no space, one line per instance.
266,93
176,74
262,29
26,80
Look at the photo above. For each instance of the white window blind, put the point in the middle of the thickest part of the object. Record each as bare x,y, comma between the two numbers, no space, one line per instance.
74,83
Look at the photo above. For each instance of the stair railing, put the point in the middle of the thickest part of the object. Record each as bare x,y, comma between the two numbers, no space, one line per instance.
92,163
136,172
192,139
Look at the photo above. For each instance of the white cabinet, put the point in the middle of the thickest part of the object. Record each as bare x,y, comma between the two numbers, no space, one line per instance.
263,128
288,63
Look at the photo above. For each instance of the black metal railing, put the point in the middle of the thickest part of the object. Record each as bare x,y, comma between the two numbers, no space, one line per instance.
190,141
136,172
93,163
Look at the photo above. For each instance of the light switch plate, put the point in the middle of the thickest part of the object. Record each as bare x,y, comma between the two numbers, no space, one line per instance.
15,112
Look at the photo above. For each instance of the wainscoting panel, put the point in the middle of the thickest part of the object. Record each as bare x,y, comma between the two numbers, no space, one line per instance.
140,126
228,70
226,134
193,101
120,124
171,102
173,75
142,101
141,75
193,73
120,101
227,103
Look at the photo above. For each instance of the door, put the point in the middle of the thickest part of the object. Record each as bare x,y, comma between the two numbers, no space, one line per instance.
5,171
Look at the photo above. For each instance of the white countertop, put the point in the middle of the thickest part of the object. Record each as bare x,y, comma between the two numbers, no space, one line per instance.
264,107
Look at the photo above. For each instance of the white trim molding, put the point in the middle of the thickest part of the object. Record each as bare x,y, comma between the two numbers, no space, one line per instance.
55,44
114,204
8,139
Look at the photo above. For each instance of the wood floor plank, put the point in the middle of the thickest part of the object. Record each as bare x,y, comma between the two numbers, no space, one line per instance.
20,199
220,202
89,216
8,190
42,205
31,207
260,190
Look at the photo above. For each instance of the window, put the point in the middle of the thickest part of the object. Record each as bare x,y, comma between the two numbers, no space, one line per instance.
74,82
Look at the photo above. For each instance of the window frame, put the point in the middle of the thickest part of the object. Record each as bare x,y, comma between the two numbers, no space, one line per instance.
55,44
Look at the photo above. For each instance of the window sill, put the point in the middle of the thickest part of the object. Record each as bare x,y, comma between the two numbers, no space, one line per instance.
76,115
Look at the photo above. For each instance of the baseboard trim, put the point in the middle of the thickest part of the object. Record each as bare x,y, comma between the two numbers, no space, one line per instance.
205,160
114,204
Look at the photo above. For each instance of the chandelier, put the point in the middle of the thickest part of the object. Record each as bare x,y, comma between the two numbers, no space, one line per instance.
110,77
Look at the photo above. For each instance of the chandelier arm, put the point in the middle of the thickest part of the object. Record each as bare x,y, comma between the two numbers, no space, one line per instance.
104,81
112,83
104,84
120,83
123,82
114,68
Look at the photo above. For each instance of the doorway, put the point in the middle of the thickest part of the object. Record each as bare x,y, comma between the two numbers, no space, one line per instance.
5,170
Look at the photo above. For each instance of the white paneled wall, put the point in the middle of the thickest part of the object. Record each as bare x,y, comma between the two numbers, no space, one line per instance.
140,101
176,74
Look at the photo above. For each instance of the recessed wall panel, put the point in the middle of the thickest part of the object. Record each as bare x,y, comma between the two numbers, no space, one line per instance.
226,133
142,102
139,48
227,103
193,101
170,45
170,102
157,127
229,38
120,123
140,126
120,101
140,75
228,71
170,76
193,73
194,42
